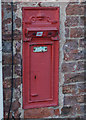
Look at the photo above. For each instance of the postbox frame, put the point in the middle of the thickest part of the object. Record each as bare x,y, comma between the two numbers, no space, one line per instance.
26,45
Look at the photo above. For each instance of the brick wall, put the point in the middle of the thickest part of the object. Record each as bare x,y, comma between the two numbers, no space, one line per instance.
72,86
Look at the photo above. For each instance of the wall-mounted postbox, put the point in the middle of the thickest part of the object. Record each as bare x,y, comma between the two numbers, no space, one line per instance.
40,56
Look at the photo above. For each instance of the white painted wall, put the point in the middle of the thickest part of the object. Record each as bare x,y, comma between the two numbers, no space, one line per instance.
1,83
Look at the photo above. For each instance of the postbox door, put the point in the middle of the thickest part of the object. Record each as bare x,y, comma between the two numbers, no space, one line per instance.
41,72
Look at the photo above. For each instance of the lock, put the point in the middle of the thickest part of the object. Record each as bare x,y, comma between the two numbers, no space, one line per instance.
40,56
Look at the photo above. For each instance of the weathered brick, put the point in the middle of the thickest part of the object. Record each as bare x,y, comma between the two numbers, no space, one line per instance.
6,46
81,87
16,83
6,37
69,89
17,46
80,98
7,59
74,77
73,66
7,21
81,65
6,28
80,109
70,100
74,100
7,94
71,21
82,43
75,10
6,106
74,55
83,21
69,67
17,70
66,32
17,114
70,45
18,22
17,58
17,93
15,105
77,32
8,7
38,113
56,112
7,83
17,34
7,71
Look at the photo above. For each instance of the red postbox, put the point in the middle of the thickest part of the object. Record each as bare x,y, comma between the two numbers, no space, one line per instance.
40,56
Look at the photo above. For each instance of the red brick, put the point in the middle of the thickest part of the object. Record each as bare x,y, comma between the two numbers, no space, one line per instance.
75,10
18,22
80,109
76,32
7,59
17,114
81,88
15,105
17,82
74,77
38,113
80,99
7,83
6,37
70,100
70,45
74,55
17,34
6,115
7,71
17,58
17,93
6,28
56,112
69,89
17,70
8,7
7,21
71,21
6,106
7,94
81,65
82,43
15,7
17,46
69,67
73,66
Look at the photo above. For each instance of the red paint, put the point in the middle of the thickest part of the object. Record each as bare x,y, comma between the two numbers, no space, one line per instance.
40,69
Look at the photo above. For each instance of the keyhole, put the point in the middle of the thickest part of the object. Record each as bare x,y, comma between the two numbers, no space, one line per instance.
35,77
